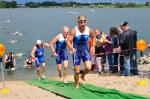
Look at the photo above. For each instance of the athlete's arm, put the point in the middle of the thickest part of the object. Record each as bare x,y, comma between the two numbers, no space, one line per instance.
45,44
53,41
70,40
92,34
33,52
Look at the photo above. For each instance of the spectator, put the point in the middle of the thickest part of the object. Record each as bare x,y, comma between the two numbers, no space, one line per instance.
99,51
121,57
115,44
109,50
10,61
129,50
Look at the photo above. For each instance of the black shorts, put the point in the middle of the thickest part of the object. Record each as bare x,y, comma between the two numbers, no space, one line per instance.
99,50
9,65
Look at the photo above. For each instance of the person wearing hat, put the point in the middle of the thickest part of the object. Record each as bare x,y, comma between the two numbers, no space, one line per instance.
38,55
129,50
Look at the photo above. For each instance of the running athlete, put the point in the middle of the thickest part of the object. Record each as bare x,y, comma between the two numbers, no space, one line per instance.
38,56
61,52
78,44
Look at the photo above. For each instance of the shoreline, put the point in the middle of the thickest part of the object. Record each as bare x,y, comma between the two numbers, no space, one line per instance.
22,90
87,7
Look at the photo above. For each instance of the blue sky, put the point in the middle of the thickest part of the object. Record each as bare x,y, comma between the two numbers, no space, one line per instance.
92,1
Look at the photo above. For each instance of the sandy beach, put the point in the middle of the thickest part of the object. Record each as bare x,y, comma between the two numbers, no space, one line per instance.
22,90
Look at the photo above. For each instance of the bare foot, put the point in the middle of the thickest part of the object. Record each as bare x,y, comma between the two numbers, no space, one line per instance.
43,76
82,79
38,78
60,76
77,86
65,81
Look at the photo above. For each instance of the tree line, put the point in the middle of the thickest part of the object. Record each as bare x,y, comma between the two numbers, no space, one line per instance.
6,4
13,4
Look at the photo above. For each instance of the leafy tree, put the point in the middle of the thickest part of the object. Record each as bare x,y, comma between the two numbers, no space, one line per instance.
2,4
120,5
147,3
5,4
131,4
14,4
31,4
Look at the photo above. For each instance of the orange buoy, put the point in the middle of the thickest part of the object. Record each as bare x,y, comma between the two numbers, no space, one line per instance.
2,49
141,45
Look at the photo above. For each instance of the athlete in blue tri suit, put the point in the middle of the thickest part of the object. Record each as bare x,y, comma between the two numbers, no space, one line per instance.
78,44
38,56
61,51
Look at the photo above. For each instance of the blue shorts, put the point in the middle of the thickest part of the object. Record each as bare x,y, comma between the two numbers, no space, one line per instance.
61,57
84,54
39,61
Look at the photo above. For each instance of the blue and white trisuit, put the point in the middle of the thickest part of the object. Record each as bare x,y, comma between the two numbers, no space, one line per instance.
61,49
81,45
39,54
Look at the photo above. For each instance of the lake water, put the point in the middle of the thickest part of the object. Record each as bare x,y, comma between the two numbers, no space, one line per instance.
45,23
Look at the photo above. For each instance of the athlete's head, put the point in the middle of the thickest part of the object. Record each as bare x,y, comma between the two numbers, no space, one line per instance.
38,43
65,31
82,22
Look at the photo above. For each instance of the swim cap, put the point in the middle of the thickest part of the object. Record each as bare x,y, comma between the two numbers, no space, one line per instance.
38,42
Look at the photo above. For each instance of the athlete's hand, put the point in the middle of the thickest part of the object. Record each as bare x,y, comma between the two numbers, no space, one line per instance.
92,49
54,54
92,53
73,50
34,60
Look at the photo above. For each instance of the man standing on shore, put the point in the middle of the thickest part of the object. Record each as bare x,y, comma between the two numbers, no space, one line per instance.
61,51
78,44
129,50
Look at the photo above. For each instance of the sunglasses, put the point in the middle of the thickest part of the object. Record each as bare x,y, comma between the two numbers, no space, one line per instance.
82,21
66,32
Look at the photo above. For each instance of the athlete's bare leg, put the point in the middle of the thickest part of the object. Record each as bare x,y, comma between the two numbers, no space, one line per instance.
76,75
65,71
86,70
59,68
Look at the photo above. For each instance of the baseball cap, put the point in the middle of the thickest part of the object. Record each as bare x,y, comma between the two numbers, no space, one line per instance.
124,23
